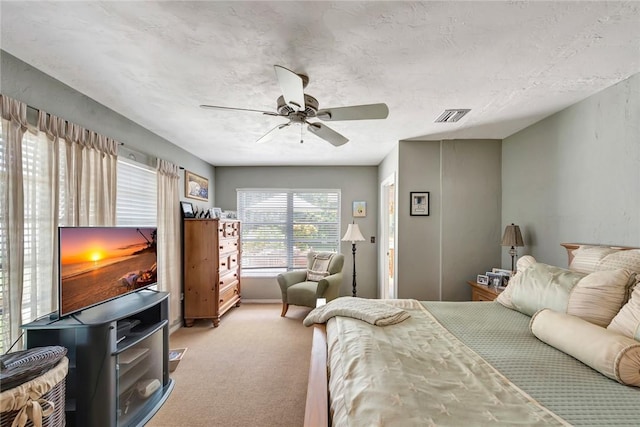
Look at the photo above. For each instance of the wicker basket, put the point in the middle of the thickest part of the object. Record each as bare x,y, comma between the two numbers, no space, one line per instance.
48,390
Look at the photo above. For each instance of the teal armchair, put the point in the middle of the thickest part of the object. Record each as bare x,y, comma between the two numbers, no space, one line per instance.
297,290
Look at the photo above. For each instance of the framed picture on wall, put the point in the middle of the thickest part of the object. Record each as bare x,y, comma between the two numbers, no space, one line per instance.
419,203
196,186
359,209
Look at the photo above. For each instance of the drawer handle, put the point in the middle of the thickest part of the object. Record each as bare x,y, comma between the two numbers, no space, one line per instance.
221,282
222,263
221,300
221,247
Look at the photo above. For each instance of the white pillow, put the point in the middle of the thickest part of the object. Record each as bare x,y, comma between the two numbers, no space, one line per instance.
611,354
586,258
629,259
595,297
627,321
523,263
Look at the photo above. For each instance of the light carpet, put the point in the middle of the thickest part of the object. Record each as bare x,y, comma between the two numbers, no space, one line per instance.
252,370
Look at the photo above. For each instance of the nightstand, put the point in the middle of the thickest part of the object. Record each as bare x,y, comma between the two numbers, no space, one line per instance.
482,292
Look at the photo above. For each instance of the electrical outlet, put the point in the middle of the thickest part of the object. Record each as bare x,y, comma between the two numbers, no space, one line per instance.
373,239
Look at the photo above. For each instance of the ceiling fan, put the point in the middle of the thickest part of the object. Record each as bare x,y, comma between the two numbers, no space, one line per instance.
299,107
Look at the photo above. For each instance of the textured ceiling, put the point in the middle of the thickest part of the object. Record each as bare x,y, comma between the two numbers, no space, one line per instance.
155,62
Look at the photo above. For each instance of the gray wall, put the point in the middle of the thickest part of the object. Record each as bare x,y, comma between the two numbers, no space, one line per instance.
437,254
418,237
355,183
470,200
575,176
25,83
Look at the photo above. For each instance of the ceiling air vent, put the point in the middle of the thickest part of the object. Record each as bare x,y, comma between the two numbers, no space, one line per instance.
452,116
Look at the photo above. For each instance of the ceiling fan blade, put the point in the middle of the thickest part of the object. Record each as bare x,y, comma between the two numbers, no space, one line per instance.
355,112
327,134
217,107
291,86
269,135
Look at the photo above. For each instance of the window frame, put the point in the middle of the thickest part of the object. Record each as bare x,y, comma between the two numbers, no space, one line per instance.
295,258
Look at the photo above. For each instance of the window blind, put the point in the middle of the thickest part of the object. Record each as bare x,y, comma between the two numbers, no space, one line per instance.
281,226
136,196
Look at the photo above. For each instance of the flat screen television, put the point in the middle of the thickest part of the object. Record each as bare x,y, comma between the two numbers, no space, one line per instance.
98,264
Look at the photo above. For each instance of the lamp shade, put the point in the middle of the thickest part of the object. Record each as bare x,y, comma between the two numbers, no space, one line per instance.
512,236
353,234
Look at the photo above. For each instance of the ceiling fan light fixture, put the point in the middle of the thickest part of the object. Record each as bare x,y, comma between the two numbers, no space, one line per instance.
452,116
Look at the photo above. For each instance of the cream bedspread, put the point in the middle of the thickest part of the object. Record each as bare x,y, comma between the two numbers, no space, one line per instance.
416,373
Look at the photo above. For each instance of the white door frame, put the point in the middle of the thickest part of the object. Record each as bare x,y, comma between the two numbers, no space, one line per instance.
384,246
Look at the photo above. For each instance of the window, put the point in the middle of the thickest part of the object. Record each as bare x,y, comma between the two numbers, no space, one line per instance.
136,196
39,287
279,227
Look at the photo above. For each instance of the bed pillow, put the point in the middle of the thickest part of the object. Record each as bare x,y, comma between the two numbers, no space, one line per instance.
629,259
523,263
586,258
611,354
627,321
595,297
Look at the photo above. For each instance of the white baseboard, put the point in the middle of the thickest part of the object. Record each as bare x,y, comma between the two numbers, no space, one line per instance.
261,301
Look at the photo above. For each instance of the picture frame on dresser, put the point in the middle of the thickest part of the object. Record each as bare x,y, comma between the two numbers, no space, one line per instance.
187,210
482,279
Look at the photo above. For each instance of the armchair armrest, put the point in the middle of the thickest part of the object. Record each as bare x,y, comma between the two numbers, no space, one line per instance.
291,278
329,287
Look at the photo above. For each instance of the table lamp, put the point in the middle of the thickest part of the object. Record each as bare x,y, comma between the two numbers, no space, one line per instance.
512,237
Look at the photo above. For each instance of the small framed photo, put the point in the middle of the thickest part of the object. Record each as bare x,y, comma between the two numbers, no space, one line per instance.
482,279
215,213
495,279
359,209
419,203
187,210
502,271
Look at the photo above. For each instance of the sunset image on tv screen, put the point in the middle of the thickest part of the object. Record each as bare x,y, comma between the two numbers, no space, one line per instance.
101,263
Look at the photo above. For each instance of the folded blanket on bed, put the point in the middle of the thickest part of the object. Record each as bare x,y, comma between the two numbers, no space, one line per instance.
371,311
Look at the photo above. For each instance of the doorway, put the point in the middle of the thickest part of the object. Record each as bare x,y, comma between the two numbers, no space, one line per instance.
388,283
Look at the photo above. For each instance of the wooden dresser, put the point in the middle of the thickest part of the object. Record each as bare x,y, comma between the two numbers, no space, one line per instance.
211,256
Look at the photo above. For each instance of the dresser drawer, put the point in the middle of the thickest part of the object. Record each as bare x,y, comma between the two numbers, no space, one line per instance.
228,278
228,229
228,245
228,262
228,295
233,260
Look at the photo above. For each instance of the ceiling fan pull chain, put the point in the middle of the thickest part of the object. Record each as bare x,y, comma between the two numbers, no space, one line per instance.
301,133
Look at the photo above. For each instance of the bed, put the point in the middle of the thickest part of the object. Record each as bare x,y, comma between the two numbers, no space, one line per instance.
472,363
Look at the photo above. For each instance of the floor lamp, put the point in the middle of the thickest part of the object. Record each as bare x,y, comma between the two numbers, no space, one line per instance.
353,235
512,237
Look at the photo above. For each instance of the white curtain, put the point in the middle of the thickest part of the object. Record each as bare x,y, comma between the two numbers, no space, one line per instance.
14,125
89,170
61,175
169,255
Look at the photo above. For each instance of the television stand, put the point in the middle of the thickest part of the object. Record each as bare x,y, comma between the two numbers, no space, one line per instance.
113,380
